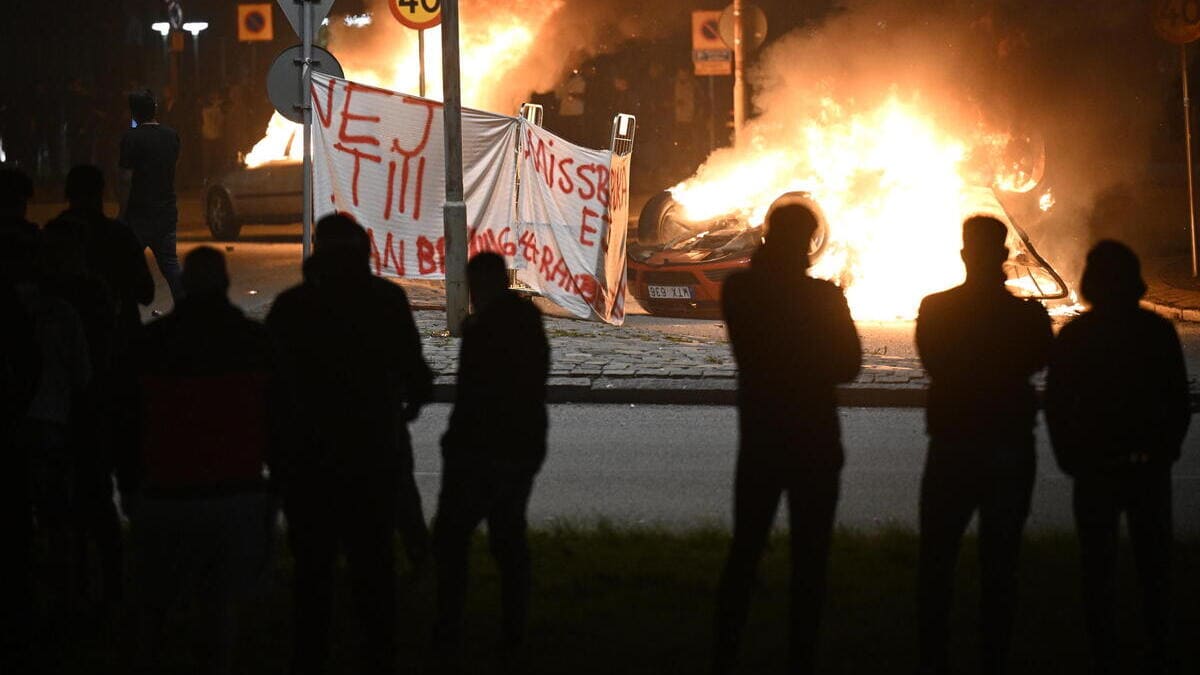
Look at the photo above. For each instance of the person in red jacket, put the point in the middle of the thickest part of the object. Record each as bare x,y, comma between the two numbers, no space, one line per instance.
200,512
1118,408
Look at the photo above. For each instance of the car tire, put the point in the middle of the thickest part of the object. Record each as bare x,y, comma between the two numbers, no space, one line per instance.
655,225
222,221
820,238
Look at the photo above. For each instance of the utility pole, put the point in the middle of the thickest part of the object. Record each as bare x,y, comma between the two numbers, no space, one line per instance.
454,213
306,37
739,72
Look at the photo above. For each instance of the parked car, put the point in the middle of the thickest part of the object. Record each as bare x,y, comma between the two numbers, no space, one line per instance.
267,194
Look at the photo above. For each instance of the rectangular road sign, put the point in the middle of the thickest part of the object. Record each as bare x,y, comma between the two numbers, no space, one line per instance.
255,22
710,54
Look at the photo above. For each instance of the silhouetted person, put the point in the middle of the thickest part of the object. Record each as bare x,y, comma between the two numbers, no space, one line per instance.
112,249
20,368
149,153
18,236
491,452
794,341
1118,408
201,519
75,483
107,424
351,368
980,346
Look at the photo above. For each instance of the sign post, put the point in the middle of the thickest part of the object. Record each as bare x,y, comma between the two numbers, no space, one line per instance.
418,15
1178,21
304,15
306,39
739,74
741,23
455,210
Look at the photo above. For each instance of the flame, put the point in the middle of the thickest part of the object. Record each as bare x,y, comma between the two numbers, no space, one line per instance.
1046,201
490,48
890,181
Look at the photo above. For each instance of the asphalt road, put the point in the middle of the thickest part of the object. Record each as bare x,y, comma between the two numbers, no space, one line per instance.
674,465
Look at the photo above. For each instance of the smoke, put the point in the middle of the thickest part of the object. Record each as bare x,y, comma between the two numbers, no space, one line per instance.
508,48
1084,80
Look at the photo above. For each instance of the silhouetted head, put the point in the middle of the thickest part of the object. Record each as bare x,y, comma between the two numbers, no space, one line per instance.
341,247
85,187
1113,276
16,189
983,250
487,277
142,106
790,229
61,251
204,274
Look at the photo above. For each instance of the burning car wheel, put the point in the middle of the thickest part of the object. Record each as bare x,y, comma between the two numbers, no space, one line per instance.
657,223
222,221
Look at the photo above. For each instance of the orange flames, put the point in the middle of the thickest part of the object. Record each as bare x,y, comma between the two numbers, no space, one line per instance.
492,44
894,184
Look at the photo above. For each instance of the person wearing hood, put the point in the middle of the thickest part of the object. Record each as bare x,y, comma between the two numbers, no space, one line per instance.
1118,408
794,342
351,376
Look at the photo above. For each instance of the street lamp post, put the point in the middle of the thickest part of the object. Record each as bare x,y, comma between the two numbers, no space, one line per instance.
163,28
195,28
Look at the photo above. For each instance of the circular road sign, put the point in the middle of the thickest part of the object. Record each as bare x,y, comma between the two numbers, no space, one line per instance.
283,80
254,21
1177,21
417,14
754,30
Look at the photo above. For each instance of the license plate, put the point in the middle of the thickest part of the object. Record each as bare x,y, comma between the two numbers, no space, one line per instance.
671,292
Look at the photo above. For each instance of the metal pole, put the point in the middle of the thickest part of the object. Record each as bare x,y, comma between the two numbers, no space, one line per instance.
1187,126
712,116
306,36
196,60
739,72
454,214
421,59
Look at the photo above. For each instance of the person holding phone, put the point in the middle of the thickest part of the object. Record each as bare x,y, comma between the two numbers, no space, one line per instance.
149,153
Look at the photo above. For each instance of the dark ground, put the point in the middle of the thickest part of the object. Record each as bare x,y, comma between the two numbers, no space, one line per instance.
615,600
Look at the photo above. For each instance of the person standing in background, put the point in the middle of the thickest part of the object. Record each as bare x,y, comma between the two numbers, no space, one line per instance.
149,154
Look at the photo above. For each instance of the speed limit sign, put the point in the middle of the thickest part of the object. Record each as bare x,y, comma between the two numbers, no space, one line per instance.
1177,21
417,14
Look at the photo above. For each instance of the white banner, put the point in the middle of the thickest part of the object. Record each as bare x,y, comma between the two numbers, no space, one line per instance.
379,156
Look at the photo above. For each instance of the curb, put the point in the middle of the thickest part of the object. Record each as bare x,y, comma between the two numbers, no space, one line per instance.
1173,313
689,391
712,391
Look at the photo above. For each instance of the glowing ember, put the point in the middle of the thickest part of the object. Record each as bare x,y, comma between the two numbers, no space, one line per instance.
491,48
1046,201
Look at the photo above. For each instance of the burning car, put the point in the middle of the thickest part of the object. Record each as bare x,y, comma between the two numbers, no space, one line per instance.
677,266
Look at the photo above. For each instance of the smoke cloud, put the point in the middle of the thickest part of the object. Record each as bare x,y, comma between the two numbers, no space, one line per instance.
1086,81
509,48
